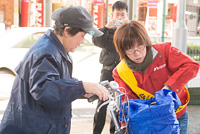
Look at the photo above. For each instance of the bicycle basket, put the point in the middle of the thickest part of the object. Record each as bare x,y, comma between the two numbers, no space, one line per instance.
146,118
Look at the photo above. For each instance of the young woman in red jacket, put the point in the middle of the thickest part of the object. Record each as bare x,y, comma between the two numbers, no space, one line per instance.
154,66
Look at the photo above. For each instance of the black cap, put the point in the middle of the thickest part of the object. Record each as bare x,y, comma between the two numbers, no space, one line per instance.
77,17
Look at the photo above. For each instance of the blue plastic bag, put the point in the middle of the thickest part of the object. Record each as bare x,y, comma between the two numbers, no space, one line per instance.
148,117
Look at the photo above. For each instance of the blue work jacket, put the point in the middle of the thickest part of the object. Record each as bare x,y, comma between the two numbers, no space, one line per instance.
43,90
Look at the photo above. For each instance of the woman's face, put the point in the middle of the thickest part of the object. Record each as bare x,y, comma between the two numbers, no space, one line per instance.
137,53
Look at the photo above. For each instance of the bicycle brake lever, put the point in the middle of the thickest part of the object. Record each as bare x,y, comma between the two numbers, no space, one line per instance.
103,104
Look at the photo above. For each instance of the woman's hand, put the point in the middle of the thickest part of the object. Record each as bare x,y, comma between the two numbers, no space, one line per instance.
94,88
166,87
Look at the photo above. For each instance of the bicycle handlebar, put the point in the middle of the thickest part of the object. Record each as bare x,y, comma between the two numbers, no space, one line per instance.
115,98
93,98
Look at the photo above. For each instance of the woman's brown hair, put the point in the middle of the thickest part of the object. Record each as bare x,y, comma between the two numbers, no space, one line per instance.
128,35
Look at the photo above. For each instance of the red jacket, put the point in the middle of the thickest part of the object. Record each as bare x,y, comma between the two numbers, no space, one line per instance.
170,66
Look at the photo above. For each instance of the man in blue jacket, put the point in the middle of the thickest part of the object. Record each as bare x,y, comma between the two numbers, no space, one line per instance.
43,89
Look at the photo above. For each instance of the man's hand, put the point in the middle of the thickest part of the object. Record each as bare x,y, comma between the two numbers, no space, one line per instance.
110,23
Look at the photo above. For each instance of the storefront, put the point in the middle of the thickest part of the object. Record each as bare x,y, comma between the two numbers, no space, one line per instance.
149,12
9,13
31,13
96,7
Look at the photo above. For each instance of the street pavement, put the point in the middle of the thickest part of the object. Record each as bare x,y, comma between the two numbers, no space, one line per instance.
83,113
82,117
83,123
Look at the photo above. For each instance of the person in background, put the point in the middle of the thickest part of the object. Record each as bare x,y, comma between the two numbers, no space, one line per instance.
108,58
153,66
44,89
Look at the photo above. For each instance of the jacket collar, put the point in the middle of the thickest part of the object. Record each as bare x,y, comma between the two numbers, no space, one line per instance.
156,59
50,34
155,52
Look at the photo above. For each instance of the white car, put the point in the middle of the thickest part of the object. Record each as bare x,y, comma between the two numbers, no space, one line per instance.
16,42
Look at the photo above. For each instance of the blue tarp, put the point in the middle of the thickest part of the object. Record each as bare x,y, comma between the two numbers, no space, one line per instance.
148,117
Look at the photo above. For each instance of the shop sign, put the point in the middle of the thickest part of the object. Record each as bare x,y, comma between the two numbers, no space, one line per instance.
152,4
39,13
98,14
95,15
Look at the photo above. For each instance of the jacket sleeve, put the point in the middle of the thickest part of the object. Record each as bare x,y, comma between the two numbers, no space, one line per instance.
182,67
48,88
106,40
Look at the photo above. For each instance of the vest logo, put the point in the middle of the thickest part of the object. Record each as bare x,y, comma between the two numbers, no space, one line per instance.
160,67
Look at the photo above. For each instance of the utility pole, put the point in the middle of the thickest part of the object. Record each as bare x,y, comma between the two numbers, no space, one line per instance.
135,9
130,9
47,13
106,11
163,22
180,29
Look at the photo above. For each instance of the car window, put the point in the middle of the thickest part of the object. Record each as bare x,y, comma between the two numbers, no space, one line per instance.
28,41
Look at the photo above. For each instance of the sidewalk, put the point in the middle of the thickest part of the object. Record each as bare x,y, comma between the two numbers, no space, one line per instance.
83,123
84,126
194,119
83,112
